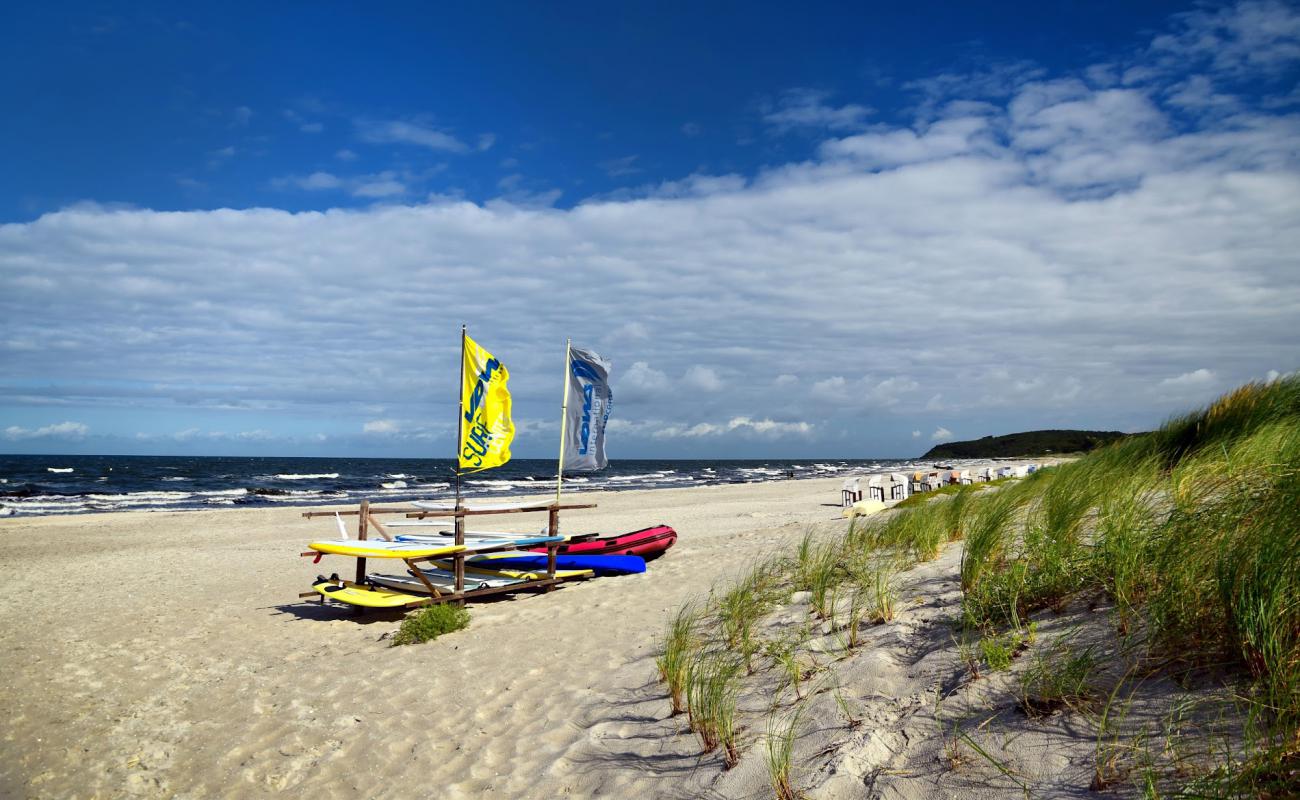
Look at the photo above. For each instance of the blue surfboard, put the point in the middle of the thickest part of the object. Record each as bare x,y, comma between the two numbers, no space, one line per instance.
601,565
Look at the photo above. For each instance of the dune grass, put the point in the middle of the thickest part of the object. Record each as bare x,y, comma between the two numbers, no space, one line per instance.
712,687
675,651
781,734
1189,536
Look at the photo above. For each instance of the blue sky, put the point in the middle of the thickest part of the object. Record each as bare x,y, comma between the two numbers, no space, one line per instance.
836,231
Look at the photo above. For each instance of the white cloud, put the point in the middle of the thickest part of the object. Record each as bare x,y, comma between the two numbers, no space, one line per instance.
380,426
940,434
345,154
642,380
380,185
60,430
807,109
765,428
414,133
383,185
1194,379
916,434
316,181
485,141
702,378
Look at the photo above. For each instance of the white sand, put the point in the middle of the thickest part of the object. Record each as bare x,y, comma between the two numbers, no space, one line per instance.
166,654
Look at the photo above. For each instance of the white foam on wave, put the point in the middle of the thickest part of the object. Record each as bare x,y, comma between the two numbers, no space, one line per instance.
170,478
58,469
644,476
315,477
394,485
397,475
492,484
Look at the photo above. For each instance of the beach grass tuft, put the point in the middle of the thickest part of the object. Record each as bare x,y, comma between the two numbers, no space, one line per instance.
431,622
675,654
712,689
782,731
1059,679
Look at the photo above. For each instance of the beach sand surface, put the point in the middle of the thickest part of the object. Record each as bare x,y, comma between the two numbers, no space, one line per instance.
166,654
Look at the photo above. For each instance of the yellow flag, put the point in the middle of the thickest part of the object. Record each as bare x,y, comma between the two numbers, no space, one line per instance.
485,427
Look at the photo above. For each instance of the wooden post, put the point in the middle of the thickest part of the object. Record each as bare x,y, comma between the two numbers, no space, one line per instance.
363,518
553,529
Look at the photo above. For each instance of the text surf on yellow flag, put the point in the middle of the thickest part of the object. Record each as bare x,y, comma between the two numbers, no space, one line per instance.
485,427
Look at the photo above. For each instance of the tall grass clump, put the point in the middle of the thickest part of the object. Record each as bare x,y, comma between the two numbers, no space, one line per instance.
818,569
781,735
675,655
1127,520
431,622
713,684
1053,548
992,585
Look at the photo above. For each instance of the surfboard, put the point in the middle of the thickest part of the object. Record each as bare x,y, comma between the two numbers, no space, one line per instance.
442,580
362,596
381,548
601,565
472,545
516,573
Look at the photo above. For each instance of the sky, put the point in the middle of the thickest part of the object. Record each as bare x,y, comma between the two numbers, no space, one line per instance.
830,231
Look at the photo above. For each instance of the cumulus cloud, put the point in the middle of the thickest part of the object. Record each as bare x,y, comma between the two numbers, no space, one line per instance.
766,428
702,378
940,434
1059,245
380,426
916,434
59,430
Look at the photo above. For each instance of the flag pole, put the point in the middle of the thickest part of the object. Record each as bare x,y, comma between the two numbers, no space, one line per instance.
460,412
564,421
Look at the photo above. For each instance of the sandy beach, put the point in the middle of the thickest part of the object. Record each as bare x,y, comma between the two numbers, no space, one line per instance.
166,654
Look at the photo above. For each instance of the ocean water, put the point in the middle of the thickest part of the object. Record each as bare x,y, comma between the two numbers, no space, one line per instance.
38,485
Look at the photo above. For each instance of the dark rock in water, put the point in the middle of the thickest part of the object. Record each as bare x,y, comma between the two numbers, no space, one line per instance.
262,491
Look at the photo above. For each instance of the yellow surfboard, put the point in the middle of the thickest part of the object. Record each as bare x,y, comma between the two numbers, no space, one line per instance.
380,548
361,596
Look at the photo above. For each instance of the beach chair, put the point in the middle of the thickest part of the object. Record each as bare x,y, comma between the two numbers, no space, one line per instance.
851,493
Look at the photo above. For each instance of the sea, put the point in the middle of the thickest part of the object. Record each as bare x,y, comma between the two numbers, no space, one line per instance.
42,485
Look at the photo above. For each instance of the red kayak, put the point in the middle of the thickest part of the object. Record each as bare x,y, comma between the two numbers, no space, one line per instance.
647,543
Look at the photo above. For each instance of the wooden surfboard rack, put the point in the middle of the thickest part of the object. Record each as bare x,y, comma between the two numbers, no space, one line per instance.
368,517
